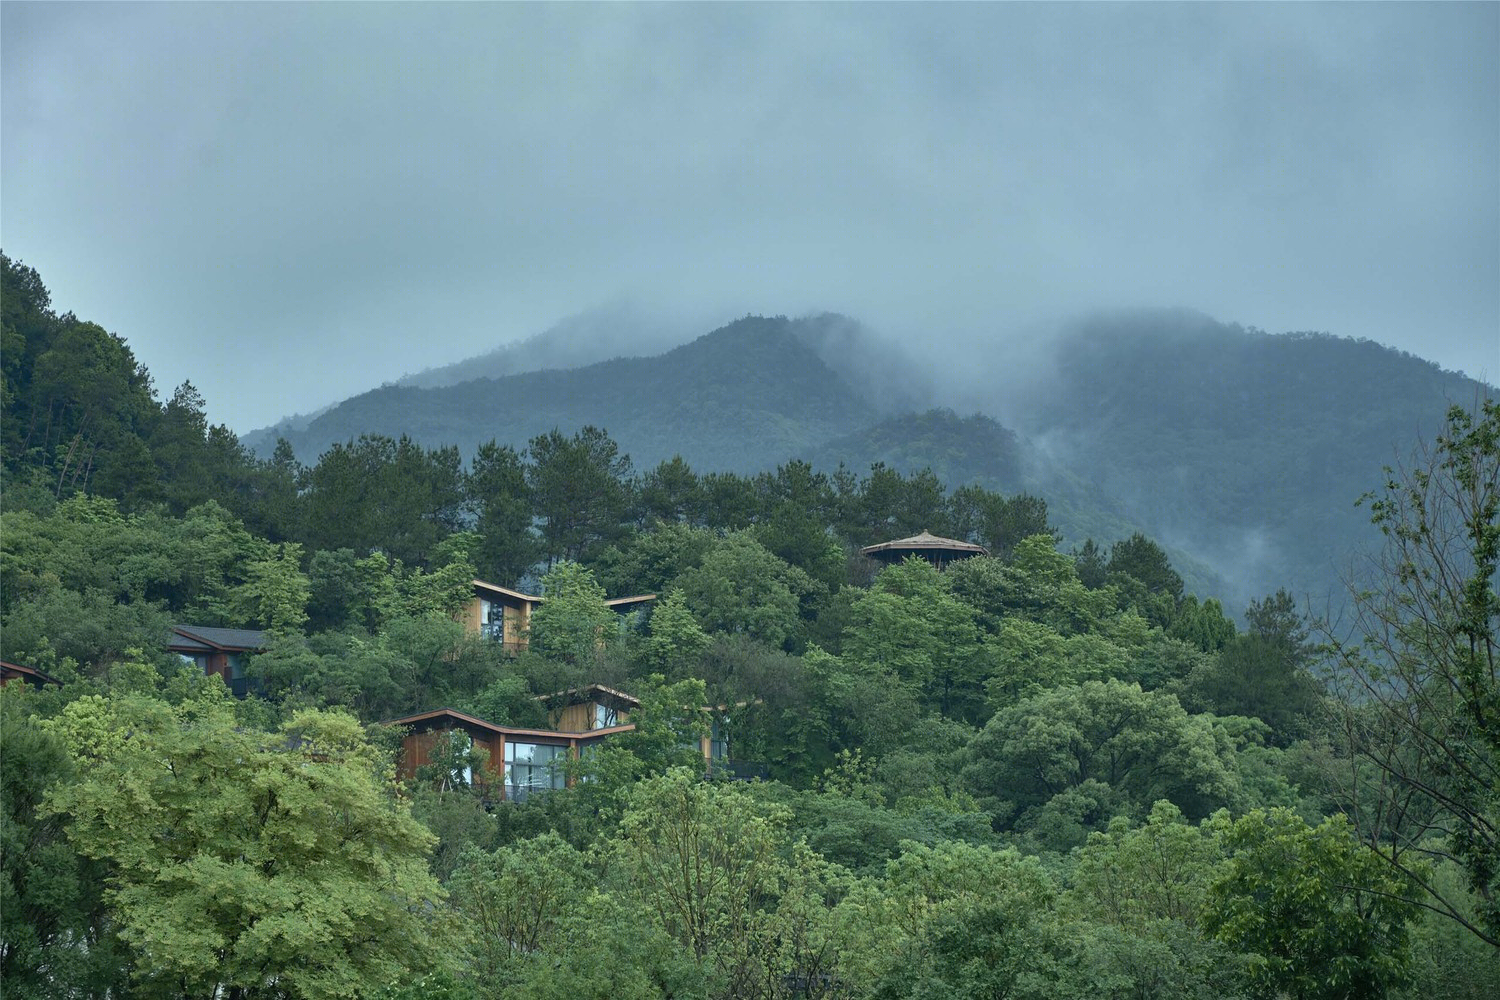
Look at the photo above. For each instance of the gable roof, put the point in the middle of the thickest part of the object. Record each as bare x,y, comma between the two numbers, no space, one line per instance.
201,638
925,541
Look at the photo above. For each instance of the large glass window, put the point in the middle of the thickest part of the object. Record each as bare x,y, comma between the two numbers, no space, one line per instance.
492,614
718,742
604,716
531,767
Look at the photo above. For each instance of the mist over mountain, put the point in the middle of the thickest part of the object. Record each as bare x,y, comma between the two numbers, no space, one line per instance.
1245,448
978,450
622,329
1244,452
743,397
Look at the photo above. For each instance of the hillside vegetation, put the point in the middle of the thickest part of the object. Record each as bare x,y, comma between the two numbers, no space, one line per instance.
1036,773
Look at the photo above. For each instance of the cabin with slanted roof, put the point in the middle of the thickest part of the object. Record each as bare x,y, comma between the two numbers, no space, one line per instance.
222,651
499,613
521,762
579,710
26,675
934,548
504,615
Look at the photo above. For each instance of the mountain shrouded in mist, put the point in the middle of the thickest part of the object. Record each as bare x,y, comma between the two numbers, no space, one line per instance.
745,396
1243,451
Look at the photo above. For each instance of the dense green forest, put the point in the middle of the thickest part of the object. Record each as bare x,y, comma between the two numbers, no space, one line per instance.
1051,771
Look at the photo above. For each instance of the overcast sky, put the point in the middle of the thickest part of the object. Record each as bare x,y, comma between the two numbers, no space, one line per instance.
288,204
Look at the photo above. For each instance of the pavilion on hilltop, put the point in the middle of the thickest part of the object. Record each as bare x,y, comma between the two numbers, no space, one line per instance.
935,549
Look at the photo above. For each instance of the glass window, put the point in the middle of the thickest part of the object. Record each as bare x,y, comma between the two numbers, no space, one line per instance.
492,619
531,767
604,716
718,742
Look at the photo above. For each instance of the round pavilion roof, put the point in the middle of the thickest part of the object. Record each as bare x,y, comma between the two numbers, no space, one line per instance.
924,543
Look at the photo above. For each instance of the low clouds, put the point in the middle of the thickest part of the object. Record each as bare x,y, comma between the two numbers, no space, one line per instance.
290,203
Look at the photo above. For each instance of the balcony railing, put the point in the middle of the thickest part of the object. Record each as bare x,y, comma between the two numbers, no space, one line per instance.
740,770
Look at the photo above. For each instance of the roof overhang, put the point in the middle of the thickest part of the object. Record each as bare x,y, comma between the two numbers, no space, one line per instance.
447,718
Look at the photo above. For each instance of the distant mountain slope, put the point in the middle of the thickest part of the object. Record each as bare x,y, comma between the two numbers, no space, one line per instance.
1238,450
1245,448
744,397
976,449
617,330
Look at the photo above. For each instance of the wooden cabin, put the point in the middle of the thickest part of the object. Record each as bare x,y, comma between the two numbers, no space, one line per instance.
222,651
521,762
26,675
586,709
934,548
500,613
504,615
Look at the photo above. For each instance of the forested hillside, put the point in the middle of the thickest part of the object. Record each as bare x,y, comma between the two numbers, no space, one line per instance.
1243,452
741,398
1035,773
1246,449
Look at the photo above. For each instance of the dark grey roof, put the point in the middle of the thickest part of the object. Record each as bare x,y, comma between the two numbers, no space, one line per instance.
232,639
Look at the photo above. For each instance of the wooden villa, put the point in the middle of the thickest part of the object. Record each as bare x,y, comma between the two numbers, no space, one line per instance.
26,675
589,708
521,761
504,615
524,761
222,651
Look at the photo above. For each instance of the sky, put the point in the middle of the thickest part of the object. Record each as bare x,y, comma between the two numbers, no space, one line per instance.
288,204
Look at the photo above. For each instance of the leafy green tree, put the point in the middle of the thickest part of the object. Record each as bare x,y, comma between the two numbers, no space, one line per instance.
573,623
742,588
275,593
579,491
1142,559
1204,625
887,505
1007,521
1131,875
1092,565
1421,680
56,935
289,870
962,921
512,901
393,495
649,562
910,624
676,641
1039,583
1139,745
499,495
1321,915
1264,673
669,494
705,858
794,526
